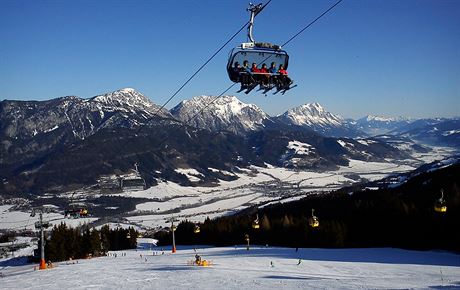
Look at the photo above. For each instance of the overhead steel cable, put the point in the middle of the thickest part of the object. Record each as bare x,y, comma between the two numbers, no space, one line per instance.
156,113
226,90
210,58
312,22
284,44
207,61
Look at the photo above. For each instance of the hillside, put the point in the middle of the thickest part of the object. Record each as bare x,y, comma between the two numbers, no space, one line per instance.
394,212
71,143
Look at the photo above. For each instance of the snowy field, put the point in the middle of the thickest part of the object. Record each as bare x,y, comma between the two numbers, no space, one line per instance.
254,186
19,220
236,268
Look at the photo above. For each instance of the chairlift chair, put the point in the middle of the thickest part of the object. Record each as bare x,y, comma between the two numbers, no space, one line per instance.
440,204
255,223
313,221
259,53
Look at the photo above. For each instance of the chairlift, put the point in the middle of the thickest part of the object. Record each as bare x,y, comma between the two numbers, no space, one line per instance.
313,221
440,204
76,212
133,182
44,224
255,223
259,53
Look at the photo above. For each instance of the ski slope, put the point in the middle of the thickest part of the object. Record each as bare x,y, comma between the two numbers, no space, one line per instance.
237,268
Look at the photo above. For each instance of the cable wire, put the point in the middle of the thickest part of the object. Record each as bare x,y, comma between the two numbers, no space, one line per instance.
226,90
312,22
284,44
206,62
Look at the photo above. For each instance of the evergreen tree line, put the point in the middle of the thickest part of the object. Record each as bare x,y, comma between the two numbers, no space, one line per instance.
66,243
401,217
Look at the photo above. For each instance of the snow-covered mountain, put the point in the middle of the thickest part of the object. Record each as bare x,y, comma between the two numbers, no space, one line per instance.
128,100
125,107
69,140
445,132
375,125
226,113
33,129
315,117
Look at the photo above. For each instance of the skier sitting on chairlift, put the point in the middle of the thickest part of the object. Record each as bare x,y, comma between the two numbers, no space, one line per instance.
284,80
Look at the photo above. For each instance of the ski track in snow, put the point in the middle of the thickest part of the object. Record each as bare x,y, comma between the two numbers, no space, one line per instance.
237,268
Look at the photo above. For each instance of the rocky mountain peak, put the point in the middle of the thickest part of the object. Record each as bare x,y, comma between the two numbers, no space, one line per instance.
220,113
311,114
124,97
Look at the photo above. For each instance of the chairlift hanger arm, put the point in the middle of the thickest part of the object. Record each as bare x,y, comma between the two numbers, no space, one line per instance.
255,10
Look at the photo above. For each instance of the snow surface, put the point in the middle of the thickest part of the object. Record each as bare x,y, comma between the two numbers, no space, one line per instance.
223,112
345,144
237,268
385,119
254,186
192,174
300,148
451,132
19,220
312,114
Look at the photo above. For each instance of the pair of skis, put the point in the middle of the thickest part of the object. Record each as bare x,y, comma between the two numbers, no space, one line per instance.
266,89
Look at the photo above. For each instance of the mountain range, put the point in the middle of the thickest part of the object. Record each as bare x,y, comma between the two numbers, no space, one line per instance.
69,142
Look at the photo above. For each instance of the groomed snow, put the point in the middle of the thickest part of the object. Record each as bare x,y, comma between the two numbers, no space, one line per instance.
237,268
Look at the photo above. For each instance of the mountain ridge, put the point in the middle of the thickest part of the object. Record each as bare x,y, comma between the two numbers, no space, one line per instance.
70,140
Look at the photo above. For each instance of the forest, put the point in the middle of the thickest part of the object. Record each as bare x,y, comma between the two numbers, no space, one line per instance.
64,243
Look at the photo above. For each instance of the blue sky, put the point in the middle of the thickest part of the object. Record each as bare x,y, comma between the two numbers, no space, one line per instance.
384,57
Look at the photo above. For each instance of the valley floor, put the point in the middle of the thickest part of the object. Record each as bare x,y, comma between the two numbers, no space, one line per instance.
237,268
253,186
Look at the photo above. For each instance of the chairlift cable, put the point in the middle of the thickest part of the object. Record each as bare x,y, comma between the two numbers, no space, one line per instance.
226,90
206,62
311,23
194,74
209,103
284,44
215,53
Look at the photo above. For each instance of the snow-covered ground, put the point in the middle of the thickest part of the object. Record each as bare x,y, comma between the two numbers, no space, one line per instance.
237,268
437,153
19,220
253,186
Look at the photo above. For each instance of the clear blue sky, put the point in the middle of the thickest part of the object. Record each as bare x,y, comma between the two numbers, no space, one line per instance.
385,57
